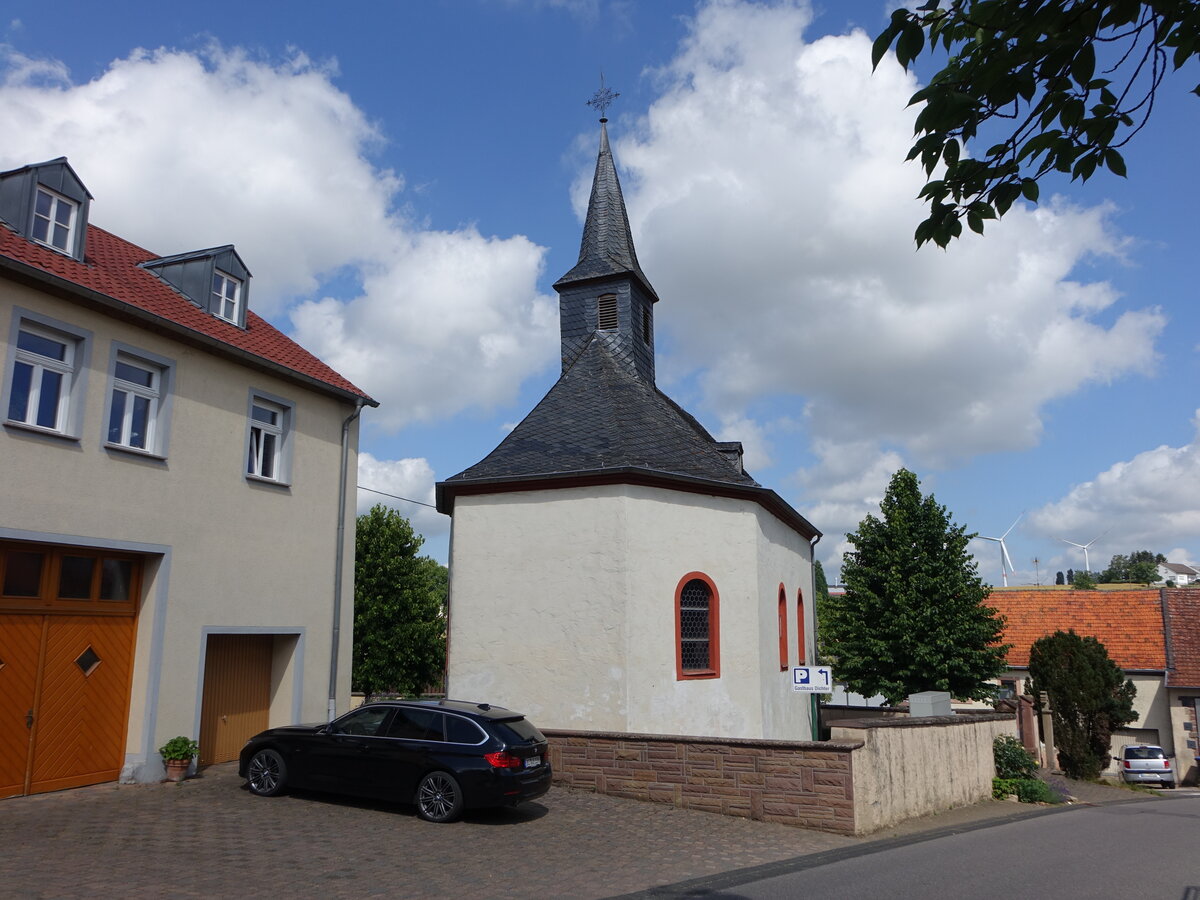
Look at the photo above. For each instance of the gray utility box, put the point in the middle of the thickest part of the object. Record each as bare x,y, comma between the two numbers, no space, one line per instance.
929,703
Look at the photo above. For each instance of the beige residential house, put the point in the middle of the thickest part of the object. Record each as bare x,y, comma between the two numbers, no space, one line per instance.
176,533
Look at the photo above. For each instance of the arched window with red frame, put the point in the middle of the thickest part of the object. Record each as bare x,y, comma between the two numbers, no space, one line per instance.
783,637
800,625
697,628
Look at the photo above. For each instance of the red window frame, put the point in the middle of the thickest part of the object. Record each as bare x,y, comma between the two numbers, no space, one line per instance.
783,637
800,634
714,630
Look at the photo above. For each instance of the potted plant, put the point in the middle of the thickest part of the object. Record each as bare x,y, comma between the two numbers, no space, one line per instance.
177,754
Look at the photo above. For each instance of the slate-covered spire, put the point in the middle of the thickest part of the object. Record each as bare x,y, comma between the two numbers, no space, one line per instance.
607,245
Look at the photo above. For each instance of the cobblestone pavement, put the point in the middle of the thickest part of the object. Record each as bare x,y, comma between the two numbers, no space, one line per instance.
209,837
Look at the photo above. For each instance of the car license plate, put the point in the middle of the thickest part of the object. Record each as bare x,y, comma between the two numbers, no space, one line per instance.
532,762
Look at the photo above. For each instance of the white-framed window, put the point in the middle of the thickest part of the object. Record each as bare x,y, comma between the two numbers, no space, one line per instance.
138,401
268,444
54,219
227,296
43,369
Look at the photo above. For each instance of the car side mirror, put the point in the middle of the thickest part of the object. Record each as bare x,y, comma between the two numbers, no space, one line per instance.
1117,758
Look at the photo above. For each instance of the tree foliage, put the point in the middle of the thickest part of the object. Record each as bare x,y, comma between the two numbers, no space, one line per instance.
1062,84
399,608
1083,581
1139,567
1059,578
821,601
913,616
1089,698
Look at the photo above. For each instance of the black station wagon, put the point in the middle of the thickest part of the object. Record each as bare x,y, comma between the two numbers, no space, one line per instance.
443,756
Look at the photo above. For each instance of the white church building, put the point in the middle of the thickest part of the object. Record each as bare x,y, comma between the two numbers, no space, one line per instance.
613,568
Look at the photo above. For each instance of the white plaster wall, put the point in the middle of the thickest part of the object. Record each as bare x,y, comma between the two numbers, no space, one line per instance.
903,772
537,605
784,557
240,553
563,606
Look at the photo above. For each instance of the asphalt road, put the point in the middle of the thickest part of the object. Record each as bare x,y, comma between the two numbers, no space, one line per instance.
1134,850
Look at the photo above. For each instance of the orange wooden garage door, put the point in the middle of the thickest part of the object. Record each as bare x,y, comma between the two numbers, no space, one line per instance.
66,654
64,700
237,694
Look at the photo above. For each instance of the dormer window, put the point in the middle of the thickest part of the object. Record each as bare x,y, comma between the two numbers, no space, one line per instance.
216,280
227,296
47,203
54,219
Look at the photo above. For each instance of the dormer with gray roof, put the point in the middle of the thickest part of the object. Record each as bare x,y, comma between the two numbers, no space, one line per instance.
47,202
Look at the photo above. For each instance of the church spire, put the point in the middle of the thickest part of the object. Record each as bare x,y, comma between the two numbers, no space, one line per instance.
607,245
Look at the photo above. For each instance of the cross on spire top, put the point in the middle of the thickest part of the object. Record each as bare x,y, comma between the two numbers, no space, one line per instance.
602,99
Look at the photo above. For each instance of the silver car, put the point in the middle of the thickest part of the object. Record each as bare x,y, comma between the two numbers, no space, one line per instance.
1145,764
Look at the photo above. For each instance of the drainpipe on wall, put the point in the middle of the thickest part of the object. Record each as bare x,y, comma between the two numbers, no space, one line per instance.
339,558
814,716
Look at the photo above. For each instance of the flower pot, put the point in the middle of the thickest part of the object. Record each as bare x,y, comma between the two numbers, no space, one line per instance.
177,769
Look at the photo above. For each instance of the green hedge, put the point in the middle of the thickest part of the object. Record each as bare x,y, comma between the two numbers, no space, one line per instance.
1028,790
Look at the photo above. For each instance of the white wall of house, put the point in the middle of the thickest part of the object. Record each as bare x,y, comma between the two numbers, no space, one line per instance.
562,606
225,552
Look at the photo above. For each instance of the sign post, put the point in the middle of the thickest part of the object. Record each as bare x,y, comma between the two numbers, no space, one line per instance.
813,680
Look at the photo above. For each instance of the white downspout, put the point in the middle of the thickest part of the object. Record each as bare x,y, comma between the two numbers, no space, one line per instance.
339,559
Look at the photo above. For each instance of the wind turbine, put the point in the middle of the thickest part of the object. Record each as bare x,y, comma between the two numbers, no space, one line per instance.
1006,565
1084,548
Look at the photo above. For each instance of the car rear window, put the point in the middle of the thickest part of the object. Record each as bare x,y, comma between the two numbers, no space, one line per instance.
1144,753
517,731
462,731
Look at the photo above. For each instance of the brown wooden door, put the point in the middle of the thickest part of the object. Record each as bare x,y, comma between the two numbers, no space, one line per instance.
64,700
237,694
20,650
83,703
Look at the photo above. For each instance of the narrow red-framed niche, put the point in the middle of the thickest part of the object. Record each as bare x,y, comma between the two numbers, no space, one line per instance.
697,628
800,635
783,634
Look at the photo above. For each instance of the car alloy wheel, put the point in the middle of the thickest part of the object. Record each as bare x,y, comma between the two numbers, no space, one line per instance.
266,773
439,798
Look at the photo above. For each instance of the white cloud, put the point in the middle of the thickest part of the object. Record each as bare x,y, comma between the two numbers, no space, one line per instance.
190,150
1150,502
412,479
774,214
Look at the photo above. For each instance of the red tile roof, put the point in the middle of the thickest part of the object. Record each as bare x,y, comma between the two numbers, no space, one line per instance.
1129,623
111,270
1183,623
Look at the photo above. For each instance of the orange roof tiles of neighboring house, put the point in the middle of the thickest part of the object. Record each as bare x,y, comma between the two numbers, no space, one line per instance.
1129,623
1183,623
111,271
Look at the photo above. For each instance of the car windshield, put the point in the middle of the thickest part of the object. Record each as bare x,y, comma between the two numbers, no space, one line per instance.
1144,753
517,731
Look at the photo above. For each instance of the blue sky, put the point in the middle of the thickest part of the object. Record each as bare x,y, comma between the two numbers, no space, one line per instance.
406,180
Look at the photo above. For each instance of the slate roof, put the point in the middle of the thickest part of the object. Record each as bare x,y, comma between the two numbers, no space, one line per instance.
1183,630
600,416
1129,623
111,277
607,245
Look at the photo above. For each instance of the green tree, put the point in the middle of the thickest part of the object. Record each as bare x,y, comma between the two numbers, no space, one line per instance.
913,617
1084,581
399,608
1058,85
1059,578
1089,698
821,587
1139,567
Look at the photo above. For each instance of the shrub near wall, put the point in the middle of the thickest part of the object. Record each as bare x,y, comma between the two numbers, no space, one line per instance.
804,783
